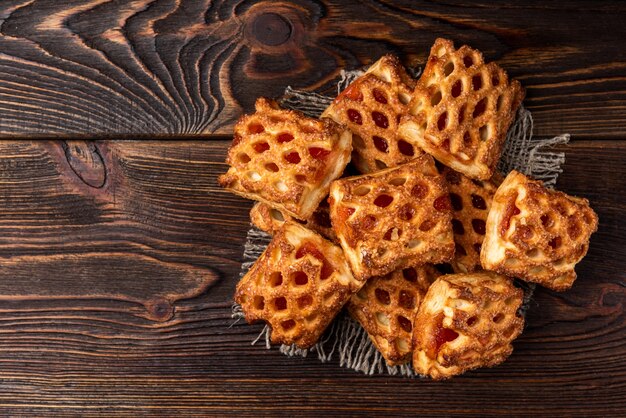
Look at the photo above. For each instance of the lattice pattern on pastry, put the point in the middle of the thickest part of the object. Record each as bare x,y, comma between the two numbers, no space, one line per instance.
270,220
285,159
466,321
386,307
371,107
537,234
297,286
393,218
461,110
470,201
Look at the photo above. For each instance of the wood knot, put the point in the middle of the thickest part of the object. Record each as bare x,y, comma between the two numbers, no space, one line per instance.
85,160
160,310
271,29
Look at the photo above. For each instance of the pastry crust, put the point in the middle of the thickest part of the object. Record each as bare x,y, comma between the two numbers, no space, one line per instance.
386,307
461,110
470,201
286,159
394,218
466,321
371,107
537,234
298,285
270,220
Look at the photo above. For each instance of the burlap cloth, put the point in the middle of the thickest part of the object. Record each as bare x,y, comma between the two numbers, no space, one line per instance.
345,338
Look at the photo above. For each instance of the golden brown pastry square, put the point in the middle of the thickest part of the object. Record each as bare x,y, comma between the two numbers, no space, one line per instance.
371,107
466,321
537,234
470,201
461,110
386,307
270,220
394,218
286,159
297,286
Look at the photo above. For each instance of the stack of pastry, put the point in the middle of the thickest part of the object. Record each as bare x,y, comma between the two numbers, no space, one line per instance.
373,242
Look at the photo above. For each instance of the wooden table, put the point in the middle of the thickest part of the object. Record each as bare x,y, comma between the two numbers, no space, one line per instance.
118,259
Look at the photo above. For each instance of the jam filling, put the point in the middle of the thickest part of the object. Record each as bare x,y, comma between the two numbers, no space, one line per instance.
509,211
442,203
309,248
440,336
352,93
355,117
292,157
284,137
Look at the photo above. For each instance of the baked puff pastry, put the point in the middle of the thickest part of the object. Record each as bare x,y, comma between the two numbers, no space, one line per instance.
537,234
394,218
471,202
461,110
286,159
466,321
270,220
297,286
371,107
386,307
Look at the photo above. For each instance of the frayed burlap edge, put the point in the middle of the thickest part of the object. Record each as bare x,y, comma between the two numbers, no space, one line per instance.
345,336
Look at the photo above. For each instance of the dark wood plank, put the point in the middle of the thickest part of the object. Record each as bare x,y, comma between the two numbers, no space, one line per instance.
131,222
190,67
160,218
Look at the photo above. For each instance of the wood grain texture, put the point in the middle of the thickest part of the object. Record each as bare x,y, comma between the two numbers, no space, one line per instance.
160,218
162,67
99,221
